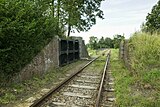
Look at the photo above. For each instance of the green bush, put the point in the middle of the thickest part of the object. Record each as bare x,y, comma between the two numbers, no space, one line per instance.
25,28
144,50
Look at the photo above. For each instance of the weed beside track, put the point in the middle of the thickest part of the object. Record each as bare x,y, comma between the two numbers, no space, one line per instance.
134,91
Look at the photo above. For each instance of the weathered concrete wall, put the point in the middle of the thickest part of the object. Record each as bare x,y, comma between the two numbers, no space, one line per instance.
46,59
84,52
82,47
124,53
121,50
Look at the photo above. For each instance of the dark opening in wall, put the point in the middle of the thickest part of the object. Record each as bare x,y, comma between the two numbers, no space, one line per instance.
71,57
68,51
63,45
71,45
76,55
76,45
63,59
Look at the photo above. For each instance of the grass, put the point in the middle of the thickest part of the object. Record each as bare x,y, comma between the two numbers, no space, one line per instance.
135,91
21,91
91,52
122,81
142,90
95,53
144,50
99,65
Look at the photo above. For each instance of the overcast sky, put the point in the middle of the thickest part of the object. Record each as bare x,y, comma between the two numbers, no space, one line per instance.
121,17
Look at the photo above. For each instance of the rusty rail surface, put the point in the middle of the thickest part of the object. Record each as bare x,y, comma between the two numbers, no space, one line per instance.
38,102
102,81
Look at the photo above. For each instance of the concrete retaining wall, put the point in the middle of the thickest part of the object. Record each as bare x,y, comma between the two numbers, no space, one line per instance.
82,48
124,53
46,59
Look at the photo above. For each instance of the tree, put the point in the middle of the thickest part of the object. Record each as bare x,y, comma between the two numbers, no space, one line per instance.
101,43
71,13
26,26
93,42
117,40
105,43
108,42
79,15
153,20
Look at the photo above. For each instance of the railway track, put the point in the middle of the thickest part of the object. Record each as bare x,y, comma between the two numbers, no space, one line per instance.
85,88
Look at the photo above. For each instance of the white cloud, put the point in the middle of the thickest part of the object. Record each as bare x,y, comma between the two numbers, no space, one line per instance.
117,2
121,16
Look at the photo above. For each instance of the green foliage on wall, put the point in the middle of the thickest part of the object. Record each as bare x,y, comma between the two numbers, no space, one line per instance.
25,28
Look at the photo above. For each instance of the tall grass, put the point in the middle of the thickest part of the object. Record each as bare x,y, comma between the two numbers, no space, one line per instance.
140,86
144,50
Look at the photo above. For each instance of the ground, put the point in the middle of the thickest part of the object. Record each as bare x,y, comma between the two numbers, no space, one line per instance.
130,91
23,94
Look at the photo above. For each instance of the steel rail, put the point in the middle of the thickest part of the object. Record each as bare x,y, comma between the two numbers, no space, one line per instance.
38,102
102,81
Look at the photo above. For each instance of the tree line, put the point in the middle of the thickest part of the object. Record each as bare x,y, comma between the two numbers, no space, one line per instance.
95,43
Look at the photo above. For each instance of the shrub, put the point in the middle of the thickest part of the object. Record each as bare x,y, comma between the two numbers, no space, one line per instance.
144,50
25,28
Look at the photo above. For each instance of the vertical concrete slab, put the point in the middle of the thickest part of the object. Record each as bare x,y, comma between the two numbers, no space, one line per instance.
82,48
